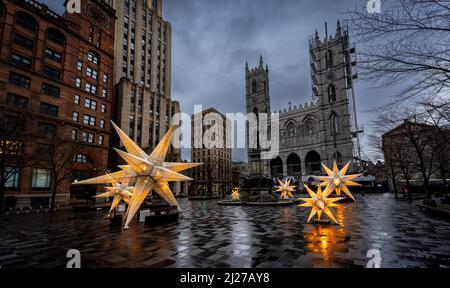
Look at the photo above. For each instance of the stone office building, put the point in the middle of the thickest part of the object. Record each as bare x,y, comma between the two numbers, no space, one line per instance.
214,177
144,107
61,69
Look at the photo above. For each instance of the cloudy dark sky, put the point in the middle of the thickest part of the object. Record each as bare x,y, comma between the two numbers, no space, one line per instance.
212,40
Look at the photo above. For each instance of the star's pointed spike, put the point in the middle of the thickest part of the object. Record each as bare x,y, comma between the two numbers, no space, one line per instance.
129,144
319,191
168,175
180,167
344,170
163,190
104,195
335,167
159,154
106,179
310,192
115,203
138,164
330,215
141,191
347,192
327,170
351,183
311,215
328,190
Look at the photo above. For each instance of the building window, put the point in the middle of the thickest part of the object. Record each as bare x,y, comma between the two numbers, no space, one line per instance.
78,83
17,101
23,41
49,109
105,78
91,73
80,158
56,36
329,59
88,137
41,178
53,55
26,21
52,72
14,176
331,93
75,116
47,129
74,134
101,140
91,104
254,86
92,57
334,123
79,65
102,124
76,99
104,94
89,120
50,90
103,108
21,60
91,88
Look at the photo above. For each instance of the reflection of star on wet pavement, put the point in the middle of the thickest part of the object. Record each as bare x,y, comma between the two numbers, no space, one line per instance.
235,237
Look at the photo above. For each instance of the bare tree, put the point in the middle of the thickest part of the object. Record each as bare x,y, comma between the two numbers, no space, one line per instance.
408,43
56,151
14,143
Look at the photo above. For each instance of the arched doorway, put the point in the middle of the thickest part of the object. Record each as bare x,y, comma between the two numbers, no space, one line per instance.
294,165
312,162
276,167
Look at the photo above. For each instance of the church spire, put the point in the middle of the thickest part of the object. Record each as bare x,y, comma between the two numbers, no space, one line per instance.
261,62
338,29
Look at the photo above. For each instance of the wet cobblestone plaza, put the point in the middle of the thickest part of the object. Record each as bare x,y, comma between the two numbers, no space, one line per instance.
238,237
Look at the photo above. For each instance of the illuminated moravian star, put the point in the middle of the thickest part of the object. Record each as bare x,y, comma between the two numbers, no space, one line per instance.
320,203
236,194
148,172
118,191
338,181
286,189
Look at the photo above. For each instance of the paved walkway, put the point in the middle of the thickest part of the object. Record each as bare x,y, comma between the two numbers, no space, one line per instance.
216,236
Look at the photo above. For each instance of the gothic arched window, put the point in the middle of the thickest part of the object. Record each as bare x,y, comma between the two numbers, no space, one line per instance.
309,128
331,93
254,86
334,124
291,130
329,59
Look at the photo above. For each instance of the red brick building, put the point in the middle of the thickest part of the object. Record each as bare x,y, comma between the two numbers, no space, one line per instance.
62,66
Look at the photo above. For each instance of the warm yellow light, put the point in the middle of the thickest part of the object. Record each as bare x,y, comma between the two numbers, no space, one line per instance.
320,203
236,194
338,181
286,189
156,173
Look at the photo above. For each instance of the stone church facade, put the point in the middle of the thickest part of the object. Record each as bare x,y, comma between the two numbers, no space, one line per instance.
317,132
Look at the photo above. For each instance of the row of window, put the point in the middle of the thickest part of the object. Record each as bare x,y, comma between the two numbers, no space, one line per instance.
88,137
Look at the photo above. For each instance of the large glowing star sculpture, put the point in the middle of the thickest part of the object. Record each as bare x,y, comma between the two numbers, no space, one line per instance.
148,172
286,189
320,203
236,194
338,181
118,191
